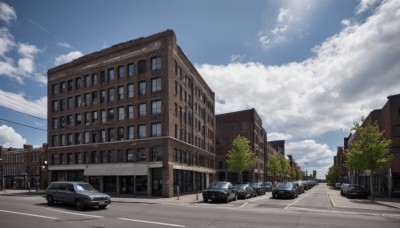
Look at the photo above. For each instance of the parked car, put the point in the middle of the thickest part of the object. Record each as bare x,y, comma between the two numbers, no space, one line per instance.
338,185
80,194
220,191
268,186
344,189
357,191
284,189
258,187
300,186
244,191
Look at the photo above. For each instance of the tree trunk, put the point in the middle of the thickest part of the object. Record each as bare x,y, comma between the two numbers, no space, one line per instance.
371,187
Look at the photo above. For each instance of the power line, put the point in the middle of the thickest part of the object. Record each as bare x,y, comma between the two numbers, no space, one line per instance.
22,124
23,103
23,113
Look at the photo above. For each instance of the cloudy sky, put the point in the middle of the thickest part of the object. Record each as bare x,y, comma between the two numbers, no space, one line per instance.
310,68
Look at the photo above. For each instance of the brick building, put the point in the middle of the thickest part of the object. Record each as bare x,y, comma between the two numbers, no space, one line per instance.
135,118
23,167
245,123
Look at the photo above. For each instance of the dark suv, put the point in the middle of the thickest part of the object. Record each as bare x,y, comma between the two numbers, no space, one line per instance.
79,194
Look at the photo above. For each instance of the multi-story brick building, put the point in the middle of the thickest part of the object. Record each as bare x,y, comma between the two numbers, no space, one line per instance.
23,167
135,118
387,178
245,123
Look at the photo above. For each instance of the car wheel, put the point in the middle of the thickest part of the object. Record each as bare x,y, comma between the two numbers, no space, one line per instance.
79,204
205,200
273,197
294,195
102,206
50,200
227,199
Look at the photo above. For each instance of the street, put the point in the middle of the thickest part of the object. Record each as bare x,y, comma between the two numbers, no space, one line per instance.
311,209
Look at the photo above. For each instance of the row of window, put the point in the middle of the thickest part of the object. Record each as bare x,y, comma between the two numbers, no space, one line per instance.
93,98
235,126
92,79
106,135
110,156
120,113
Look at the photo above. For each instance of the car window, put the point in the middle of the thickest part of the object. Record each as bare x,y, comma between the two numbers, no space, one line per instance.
70,188
218,185
61,186
85,187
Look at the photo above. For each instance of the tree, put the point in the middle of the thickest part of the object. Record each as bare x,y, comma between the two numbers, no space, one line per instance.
332,175
274,165
285,166
240,156
369,151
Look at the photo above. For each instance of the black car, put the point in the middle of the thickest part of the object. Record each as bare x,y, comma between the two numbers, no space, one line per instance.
344,189
244,191
285,189
357,191
220,191
268,186
300,186
258,187
80,194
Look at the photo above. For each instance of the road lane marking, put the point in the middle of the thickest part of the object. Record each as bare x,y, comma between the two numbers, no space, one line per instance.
157,223
243,205
66,212
33,215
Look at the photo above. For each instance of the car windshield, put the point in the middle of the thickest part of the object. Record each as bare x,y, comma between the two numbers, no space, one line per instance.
254,184
240,185
85,187
284,184
219,185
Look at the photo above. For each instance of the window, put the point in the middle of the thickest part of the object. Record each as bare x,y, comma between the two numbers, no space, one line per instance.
120,135
62,87
88,80
94,157
69,139
102,96
94,117
70,121
103,157
110,156
54,106
156,129
130,90
110,94
78,83
78,101
156,154
78,119
111,135
110,114
120,71
94,136
70,102
142,131
111,74
54,123
120,156
129,155
155,63
63,104
94,79
141,154
70,85
121,113
94,98
77,138
142,66
155,85
120,92
87,118
131,132
156,107
54,89
396,130
102,135
62,140
131,70
87,158
130,112
142,110
142,88
70,160
86,137
103,116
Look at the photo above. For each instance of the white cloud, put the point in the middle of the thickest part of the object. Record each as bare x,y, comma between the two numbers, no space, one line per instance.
10,138
19,102
311,155
67,57
366,5
64,44
291,22
278,136
7,13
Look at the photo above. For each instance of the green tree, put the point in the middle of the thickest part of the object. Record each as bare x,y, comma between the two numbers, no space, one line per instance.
369,151
274,165
285,166
332,175
240,156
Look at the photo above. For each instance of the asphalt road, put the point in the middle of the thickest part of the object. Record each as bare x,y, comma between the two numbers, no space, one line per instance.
312,209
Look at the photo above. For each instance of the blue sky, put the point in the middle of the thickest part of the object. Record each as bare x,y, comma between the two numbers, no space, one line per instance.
310,68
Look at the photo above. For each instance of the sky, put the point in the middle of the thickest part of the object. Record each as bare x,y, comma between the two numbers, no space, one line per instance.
310,68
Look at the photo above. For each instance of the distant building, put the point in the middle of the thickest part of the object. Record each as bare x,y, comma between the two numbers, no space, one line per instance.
135,118
23,167
246,123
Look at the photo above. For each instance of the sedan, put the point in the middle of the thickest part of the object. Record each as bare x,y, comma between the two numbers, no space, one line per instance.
244,191
357,191
220,191
258,187
284,189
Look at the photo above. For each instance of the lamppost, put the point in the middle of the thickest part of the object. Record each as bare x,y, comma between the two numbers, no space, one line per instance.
2,174
44,173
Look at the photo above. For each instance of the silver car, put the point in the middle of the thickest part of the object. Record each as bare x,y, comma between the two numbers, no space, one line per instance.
80,194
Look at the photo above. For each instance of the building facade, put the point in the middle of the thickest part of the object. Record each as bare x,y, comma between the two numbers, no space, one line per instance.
246,123
23,168
135,118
